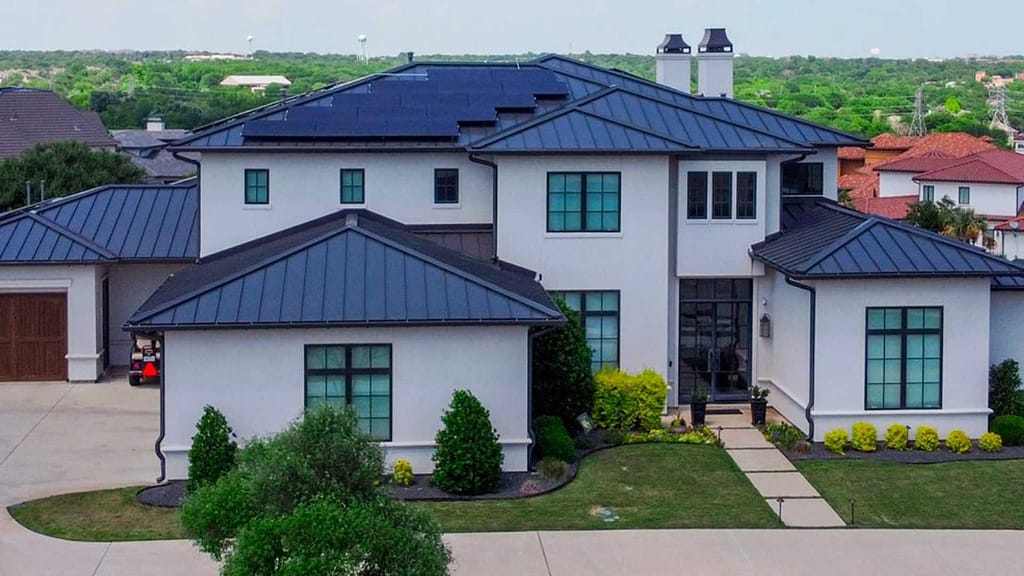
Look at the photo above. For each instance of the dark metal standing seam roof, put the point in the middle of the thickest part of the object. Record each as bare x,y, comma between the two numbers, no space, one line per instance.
832,242
352,268
110,223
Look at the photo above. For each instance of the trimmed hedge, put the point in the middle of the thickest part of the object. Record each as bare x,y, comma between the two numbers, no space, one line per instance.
629,402
552,440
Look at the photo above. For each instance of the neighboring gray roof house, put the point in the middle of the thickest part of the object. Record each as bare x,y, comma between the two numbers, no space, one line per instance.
147,150
29,117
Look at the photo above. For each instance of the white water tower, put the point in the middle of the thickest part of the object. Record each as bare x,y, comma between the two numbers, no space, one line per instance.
362,43
250,38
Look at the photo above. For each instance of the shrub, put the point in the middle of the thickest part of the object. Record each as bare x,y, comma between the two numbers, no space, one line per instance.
403,475
613,437
629,401
323,536
1010,429
782,434
213,452
926,438
958,442
213,514
563,384
990,442
836,441
896,437
865,437
1005,394
552,469
468,457
553,439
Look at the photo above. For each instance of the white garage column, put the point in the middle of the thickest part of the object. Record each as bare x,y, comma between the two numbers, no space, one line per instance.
83,287
256,378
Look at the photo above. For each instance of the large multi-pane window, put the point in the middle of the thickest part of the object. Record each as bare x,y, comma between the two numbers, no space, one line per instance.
727,190
352,186
721,195
803,179
904,358
257,186
583,201
353,375
446,186
599,314
746,195
697,195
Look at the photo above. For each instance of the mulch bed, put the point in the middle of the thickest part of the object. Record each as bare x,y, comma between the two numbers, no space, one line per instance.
168,495
883,454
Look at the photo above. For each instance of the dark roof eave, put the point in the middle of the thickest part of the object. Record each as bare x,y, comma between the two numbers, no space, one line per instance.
318,149
796,275
142,327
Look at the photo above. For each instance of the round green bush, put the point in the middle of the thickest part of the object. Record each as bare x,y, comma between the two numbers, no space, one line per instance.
1010,428
865,437
896,437
990,442
552,440
926,438
468,457
958,442
836,441
213,450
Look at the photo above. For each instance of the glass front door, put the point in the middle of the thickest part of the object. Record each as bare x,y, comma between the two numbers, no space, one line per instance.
715,339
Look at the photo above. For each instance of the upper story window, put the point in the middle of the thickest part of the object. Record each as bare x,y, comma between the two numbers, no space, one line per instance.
697,195
257,186
729,190
352,182
929,193
446,186
803,179
721,195
965,194
583,201
746,195
357,376
903,358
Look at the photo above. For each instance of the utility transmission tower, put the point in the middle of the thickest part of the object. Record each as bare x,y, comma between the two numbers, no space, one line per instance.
917,127
997,106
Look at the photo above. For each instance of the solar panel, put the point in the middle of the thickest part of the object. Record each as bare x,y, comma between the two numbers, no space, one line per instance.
347,99
278,129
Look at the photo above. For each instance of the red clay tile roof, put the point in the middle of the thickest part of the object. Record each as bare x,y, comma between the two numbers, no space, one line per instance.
1012,225
929,160
862,183
895,207
991,166
29,117
851,153
893,142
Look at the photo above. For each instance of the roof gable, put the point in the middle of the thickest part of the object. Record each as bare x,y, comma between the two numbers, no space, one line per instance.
34,240
29,117
991,166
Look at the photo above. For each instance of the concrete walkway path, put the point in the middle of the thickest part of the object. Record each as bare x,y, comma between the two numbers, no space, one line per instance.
773,475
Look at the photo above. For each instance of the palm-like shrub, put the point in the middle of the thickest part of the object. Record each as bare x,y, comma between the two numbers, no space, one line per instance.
468,457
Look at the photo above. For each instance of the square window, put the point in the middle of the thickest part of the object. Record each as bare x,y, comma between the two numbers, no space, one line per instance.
257,186
583,202
353,186
446,186
803,178
359,376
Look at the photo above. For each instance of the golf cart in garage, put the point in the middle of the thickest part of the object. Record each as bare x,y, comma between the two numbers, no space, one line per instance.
144,365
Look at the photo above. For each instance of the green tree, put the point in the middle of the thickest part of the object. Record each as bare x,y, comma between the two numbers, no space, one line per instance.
67,167
563,384
953,105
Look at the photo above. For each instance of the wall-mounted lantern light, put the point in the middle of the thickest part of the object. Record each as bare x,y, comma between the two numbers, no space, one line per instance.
766,326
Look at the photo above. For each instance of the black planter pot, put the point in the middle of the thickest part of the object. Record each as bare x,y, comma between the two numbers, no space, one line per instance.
758,412
698,412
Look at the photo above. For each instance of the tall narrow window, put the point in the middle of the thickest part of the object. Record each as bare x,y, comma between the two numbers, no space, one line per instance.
721,195
446,186
599,315
904,358
746,195
965,194
257,186
697,195
583,202
929,193
352,186
353,375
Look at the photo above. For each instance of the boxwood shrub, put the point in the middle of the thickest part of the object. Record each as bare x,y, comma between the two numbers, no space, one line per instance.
552,440
1010,428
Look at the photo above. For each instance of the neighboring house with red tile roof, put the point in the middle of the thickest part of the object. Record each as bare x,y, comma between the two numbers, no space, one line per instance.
29,117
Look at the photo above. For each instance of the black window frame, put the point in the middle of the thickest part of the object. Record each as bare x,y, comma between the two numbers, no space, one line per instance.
746,207
960,192
903,331
801,181
721,197
348,372
928,193
584,314
246,187
446,191
343,187
697,201
585,199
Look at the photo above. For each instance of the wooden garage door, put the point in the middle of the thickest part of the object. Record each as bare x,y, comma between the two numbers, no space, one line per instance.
33,337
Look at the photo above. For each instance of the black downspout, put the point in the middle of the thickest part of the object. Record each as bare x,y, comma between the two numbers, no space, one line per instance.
810,362
199,196
163,412
529,388
494,202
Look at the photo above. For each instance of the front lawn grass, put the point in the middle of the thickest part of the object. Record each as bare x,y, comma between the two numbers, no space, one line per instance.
101,516
976,494
645,485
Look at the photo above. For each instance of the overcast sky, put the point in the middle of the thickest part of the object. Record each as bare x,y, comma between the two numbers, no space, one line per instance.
899,28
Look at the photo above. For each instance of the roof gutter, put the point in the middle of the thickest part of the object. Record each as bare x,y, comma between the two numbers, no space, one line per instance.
494,202
809,409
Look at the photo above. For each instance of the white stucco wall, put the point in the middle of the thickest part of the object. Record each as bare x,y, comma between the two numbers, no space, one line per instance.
900,184
82,286
130,286
1010,244
633,261
1006,340
986,199
782,360
306,186
840,352
256,378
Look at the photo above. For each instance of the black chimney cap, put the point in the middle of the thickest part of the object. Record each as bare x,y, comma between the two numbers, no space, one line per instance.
673,44
715,40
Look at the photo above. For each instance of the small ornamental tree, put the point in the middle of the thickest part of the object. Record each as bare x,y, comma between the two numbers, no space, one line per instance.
563,384
468,457
1006,397
213,450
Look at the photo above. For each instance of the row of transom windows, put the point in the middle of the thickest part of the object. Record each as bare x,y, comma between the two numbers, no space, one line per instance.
352,186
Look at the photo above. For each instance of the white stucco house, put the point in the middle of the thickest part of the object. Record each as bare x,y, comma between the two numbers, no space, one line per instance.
383,242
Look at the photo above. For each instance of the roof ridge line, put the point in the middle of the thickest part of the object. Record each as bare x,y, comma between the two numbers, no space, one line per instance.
972,157
838,243
42,220
560,111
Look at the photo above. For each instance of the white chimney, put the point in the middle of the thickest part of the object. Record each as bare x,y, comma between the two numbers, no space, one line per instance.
154,124
672,63
714,64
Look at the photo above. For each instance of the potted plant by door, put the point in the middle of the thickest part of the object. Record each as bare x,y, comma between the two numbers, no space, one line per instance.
698,406
758,405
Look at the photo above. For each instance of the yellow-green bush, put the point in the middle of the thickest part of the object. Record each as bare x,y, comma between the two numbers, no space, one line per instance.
958,441
990,442
837,440
926,438
627,401
865,437
896,437
403,473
